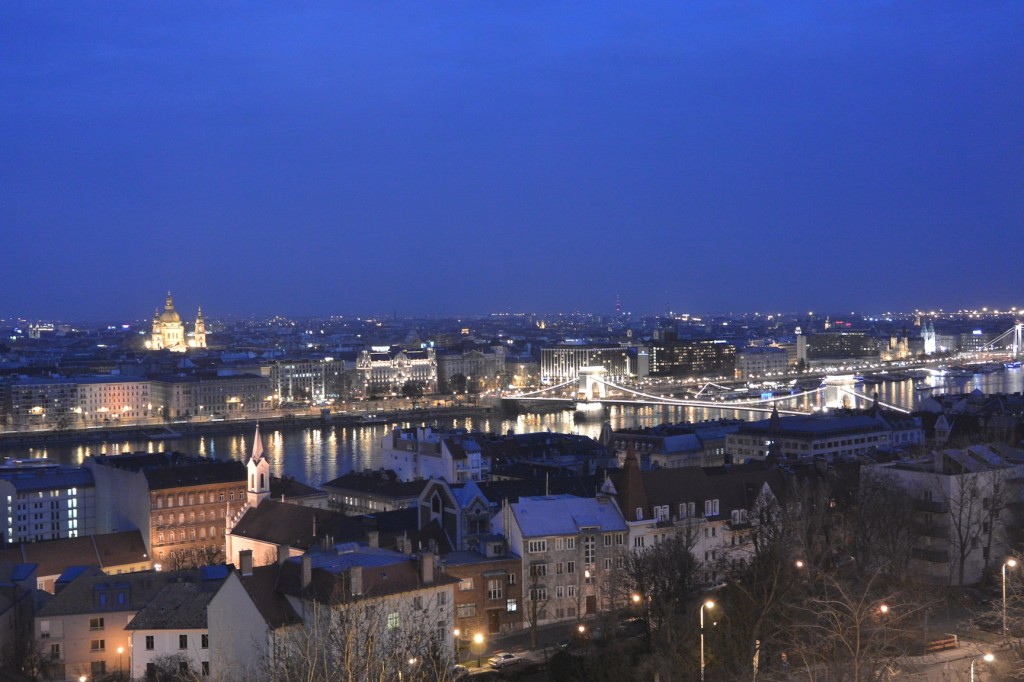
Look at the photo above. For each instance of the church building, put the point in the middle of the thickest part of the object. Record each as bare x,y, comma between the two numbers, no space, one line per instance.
169,331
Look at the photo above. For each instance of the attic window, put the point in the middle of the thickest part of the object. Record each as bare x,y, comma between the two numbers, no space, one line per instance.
710,507
639,513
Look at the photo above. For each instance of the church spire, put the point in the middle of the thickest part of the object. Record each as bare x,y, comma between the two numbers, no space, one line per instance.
259,473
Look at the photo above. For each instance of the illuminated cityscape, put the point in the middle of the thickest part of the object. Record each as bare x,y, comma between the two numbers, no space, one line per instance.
606,343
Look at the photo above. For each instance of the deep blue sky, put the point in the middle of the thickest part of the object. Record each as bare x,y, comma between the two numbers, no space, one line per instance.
468,157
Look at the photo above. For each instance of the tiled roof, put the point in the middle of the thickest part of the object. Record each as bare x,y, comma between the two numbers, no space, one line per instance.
177,606
272,605
565,515
292,525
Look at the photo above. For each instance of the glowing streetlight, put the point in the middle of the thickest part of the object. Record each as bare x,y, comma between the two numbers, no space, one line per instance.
988,658
706,605
478,646
883,609
1012,563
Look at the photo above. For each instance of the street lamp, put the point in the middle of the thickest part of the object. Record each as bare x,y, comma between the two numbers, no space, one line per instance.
456,632
478,646
706,605
1012,563
120,650
988,658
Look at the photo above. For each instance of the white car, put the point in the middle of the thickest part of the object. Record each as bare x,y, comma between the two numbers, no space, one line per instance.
503,660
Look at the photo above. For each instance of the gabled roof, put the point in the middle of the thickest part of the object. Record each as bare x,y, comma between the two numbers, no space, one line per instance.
272,605
296,526
178,606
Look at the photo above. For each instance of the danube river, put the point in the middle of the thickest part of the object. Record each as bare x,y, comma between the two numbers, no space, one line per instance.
316,455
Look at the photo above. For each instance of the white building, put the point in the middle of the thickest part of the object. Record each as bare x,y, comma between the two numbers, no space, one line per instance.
42,500
571,549
422,453
760,361
828,436
382,371
712,513
963,500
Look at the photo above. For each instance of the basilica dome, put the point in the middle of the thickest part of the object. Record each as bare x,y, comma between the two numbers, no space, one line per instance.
170,315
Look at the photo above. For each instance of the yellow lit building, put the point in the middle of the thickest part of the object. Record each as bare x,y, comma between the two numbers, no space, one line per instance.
169,331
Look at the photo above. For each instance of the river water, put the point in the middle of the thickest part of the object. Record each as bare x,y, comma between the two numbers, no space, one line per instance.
319,454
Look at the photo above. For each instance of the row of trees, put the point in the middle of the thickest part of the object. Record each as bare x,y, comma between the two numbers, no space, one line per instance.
826,587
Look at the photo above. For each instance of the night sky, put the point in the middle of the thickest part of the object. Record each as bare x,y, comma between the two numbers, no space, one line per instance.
473,157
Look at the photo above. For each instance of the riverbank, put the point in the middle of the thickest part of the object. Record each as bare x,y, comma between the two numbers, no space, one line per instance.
158,431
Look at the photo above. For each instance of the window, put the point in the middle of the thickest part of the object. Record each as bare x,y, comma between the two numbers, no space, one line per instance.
607,563
537,546
95,623
55,651
466,610
150,643
607,539
571,591
661,513
538,570
394,620
442,598
589,549
206,668
639,513
559,592
638,541
182,641
559,568
570,566
205,641
495,589
98,645
98,668
417,602
711,508
620,539
511,578
570,543
511,606
539,594
466,585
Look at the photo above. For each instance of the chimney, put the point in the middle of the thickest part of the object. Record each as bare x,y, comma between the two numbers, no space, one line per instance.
373,538
355,579
282,554
406,544
245,562
307,570
427,567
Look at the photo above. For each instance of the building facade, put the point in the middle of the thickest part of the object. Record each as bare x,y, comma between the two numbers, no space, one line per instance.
384,371
42,500
169,331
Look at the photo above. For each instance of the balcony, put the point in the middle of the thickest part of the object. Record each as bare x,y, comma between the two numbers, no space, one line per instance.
931,506
933,530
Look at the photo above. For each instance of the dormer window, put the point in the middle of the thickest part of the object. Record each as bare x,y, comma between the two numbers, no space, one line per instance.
639,513
710,507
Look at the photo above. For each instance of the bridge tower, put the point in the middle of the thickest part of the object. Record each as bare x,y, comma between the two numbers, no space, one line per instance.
591,379
1017,339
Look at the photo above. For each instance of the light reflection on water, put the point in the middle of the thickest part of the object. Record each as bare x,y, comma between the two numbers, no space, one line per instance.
316,455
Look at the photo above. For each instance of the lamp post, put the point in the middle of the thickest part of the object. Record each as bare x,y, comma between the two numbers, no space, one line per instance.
455,633
120,650
988,658
478,646
1012,563
706,605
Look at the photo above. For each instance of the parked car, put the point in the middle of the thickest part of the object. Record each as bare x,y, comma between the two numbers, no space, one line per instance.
457,673
503,660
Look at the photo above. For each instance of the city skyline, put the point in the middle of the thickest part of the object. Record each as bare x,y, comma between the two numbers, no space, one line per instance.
423,161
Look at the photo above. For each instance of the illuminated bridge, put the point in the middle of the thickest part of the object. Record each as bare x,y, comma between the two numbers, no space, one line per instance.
591,387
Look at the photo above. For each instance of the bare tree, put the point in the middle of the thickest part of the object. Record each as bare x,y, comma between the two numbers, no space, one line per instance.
851,629
371,640
882,524
536,601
